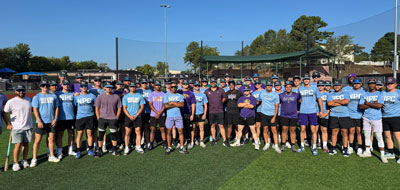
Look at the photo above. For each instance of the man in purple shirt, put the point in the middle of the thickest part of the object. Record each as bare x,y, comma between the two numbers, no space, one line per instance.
289,108
216,98
62,76
188,109
157,115
76,87
247,81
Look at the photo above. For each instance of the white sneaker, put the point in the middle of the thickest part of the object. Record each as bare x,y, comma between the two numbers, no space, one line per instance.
287,144
16,167
196,142
236,143
126,151
190,145
121,146
202,144
257,146
365,154
142,141
104,148
25,164
33,163
53,159
384,159
359,151
139,149
266,147
71,153
178,145
350,150
277,149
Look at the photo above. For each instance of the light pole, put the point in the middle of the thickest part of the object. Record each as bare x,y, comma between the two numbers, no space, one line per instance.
396,58
165,6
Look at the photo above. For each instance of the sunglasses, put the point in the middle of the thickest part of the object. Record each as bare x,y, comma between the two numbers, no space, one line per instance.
20,90
45,86
174,87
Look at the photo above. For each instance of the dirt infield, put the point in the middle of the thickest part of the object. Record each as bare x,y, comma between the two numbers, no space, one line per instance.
29,94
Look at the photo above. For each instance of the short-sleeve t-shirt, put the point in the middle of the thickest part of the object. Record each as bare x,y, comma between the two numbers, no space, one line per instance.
21,113
354,108
190,99
246,112
324,98
391,105
76,87
97,91
232,97
146,93
46,105
215,100
168,97
309,96
268,101
201,99
3,101
372,113
66,108
85,105
256,94
289,104
342,110
133,102
157,99
108,105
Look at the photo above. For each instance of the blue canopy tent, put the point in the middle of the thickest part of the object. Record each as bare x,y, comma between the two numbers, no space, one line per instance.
7,70
32,73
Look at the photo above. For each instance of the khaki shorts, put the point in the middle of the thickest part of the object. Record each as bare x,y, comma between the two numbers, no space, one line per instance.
21,136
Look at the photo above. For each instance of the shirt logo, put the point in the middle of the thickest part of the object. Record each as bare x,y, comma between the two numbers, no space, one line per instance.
355,96
173,98
47,100
84,100
307,92
133,100
199,99
324,98
371,98
157,98
267,97
232,96
66,98
390,99
338,97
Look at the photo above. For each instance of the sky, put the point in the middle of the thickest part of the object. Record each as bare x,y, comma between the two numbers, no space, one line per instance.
86,30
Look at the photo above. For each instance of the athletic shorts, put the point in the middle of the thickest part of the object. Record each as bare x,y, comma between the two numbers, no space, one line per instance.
160,121
323,122
63,125
391,124
375,125
171,121
198,118
356,122
135,123
339,122
232,118
47,128
258,116
266,121
111,123
278,120
85,123
311,118
289,122
21,136
216,118
121,119
247,121
186,121
145,118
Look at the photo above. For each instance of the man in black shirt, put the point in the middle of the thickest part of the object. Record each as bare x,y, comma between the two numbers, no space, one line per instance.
232,110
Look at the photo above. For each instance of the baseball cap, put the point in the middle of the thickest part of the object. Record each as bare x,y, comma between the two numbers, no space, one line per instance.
321,83
255,75
352,75
119,83
157,83
379,82
44,82
174,81
390,80
191,81
372,81
328,83
53,83
316,74
306,76
65,82
247,78
288,82
204,79
196,83
167,81
20,88
84,84
79,75
151,80
97,79
143,80
257,82
137,81
63,73
246,88
181,77
132,85
356,81
337,82
108,84
239,82
213,80
127,79
227,75
223,80
185,82
277,83
268,83
275,76
296,77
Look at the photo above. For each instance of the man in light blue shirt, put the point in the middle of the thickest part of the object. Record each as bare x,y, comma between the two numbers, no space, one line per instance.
355,115
256,94
201,112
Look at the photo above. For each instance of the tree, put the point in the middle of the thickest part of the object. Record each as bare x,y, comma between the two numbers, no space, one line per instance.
161,68
146,69
342,46
363,56
104,67
193,55
383,48
308,25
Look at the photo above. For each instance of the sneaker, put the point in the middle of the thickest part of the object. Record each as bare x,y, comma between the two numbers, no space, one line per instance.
99,153
33,163
104,148
350,150
306,143
277,149
178,145
319,145
301,149
266,147
384,159
139,149
78,155
283,148
294,148
287,144
346,153
398,161
226,143
196,142
142,141
25,164
126,151
53,159
164,145
257,146
121,147
71,153
315,152
390,155
150,146
59,153
115,153
213,143
174,142
359,151
246,141
183,151
202,144
235,144
91,153
16,167
191,145
332,152
365,154
168,151
326,150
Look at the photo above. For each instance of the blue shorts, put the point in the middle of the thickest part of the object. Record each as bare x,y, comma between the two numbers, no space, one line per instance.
305,118
170,121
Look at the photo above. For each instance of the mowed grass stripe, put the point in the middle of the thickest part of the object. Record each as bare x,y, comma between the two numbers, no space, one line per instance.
305,171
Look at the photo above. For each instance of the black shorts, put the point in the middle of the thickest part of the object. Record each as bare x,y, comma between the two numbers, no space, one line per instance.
111,123
85,123
356,122
266,121
278,120
391,124
247,121
289,122
258,116
160,121
121,119
323,122
198,118
135,123
217,118
47,128
340,122
232,118
63,125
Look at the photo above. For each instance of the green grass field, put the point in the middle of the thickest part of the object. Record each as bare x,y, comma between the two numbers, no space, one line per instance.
214,167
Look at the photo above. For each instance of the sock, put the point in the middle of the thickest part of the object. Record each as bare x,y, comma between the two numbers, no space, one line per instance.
324,144
70,148
302,144
351,145
390,151
314,146
382,152
276,145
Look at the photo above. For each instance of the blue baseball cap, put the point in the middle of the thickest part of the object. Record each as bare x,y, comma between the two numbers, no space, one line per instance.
256,75
356,81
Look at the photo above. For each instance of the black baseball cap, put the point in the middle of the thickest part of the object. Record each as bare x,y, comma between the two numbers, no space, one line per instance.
167,81
181,77
306,76
257,82
316,74
277,83
379,82
119,83
247,78
65,82
239,82
213,80
53,83
269,83
79,75
143,80
204,79
20,88
84,84
246,88
185,82
191,81
108,84
127,79
321,83
275,76
223,80
63,73
157,83
44,83
337,82
151,80
97,79
296,77
288,82
328,83
227,75
372,81
196,83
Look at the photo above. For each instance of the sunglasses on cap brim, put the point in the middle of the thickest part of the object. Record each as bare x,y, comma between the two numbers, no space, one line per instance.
20,90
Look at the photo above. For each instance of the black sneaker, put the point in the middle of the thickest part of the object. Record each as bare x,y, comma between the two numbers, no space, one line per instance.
168,151
115,153
241,141
213,143
151,146
246,141
164,145
345,153
183,151
99,153
332,151
294,148
226,144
